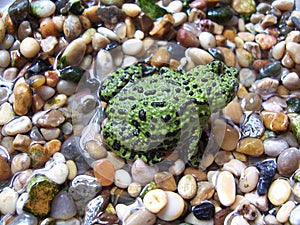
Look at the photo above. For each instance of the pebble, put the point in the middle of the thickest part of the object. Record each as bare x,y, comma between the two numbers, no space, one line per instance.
155,200
275,121
57,101
5,171
244,58
72,27
131,9
179,18
6,112
265,41
20,162
72,169
58,173
72,221
45,92
160,58
187,186
292,48
132,47
63,206
104,172
134,189
205,190
177,168
207,40
226,188
279,192
248,179
74,52
42,8
204,210
16,126
274,146
278,50
165,181
295,216
143,173
66,87
228,55
234,166
24,218
284,212
288,162
250,146
174,208
115,160
29,47
141,216
52,119
225,135
283,5
22,97
291,81
199,56
122,178
96,149
199,175
104,64
8,200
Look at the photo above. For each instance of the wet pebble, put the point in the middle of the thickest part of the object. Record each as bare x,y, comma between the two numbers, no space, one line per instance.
174,208
29,47
250,146
274,146
143,173
63,206
20,162
58,173
245,59
160,58
57,101
207,40
284,212
132,46
122,178
22,97
205,191
275,121
278,50
279,192
131,9
52,119
19,125
104,172
204,210
96,149
187,186
199,56
226,188
165,181
66,87
134,189
248,179
288,161
74,52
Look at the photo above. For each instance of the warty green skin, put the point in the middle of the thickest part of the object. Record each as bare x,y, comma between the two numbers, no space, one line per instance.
150,114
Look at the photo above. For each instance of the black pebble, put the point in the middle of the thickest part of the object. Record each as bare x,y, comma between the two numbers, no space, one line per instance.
204,211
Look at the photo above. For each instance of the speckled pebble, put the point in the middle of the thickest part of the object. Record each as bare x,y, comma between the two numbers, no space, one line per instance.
187,186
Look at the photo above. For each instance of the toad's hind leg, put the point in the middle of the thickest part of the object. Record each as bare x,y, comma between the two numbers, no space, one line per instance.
120,138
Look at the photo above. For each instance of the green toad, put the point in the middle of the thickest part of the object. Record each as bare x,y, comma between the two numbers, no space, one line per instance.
151,113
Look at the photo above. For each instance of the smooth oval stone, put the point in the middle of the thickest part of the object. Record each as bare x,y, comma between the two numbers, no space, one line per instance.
274,146
187,186
42,8
294,218
141,216
19,125
199,56
248,179
250,146
288,162
24,219
8,200
284,212
132,46
104,172
155,200
6,112
122,178
70,148
74,52
143,173
226,188
275,121
174,208
23,97
279,192
63,206
204,210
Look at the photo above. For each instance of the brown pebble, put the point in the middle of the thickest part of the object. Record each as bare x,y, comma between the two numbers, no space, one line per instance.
275,121
5,171
199,175
228,55
52,78
22,142
229,34
104,171
23,98
53,146
187,39
160,58
223,157
162,28
165,181
265,41
251,146
220,216
234,111
48,28
52,119
198,4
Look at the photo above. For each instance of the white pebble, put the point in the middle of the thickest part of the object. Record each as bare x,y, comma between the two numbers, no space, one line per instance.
104,64
8,200
207,40
19,125
279,192
20,162
179,18
155,200
6,112
122,178
131,9
226,188
58,173
132,46
294,218
177,168
291,81
234,166
199,56
174,207
174,6
42,8
284,212
248,179
108,33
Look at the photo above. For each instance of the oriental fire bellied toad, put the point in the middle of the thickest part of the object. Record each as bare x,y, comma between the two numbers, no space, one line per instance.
150,113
